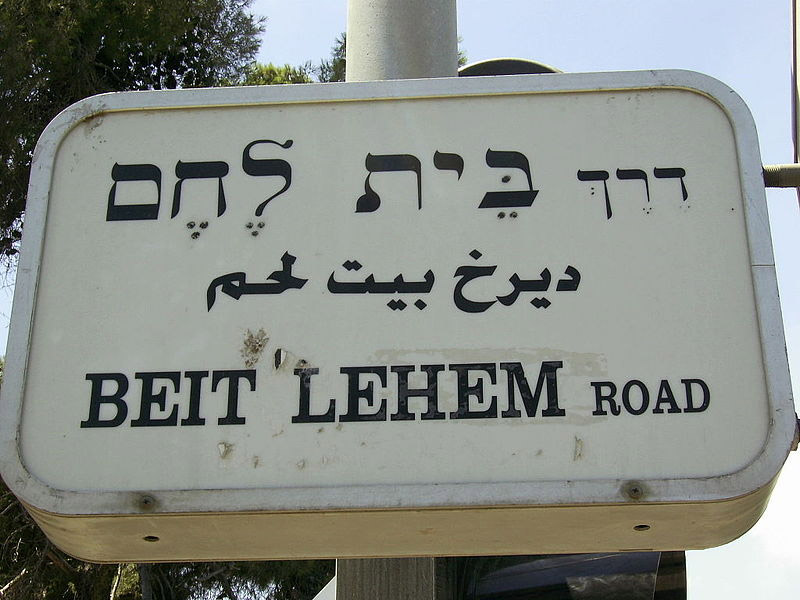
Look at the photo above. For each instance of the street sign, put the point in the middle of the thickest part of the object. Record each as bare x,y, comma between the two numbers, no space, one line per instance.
495,315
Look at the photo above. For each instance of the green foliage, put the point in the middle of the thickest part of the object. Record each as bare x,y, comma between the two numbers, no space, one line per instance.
292,580
462,55
127,583
53,53
327,70
31,567
258,74
334,68
271,580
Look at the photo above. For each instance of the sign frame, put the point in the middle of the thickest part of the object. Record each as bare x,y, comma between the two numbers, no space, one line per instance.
398,520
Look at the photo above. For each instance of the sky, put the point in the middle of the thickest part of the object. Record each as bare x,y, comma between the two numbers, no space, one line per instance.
744,43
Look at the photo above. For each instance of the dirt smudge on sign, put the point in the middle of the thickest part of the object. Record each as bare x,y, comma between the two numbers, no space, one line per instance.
253,346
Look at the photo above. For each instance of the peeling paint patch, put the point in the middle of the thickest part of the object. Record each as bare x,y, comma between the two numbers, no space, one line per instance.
277,434
280,358
301,464
256,462
253,346
225,449
284,360
577,454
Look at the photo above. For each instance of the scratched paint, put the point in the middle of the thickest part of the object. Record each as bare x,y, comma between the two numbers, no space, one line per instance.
253,346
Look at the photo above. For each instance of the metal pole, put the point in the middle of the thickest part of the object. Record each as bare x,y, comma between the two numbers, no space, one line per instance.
401,39
386,579
398,39
796,84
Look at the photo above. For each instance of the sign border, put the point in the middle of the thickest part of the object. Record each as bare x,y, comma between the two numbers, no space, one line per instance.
755,476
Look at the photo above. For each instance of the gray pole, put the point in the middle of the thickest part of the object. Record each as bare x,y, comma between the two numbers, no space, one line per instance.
398,39
401,39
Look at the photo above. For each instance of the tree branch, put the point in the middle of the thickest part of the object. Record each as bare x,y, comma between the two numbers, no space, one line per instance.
7,587
115,585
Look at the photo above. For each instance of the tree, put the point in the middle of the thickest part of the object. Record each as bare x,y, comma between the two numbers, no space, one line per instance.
269,580
53,53
258,74
31,567
334,68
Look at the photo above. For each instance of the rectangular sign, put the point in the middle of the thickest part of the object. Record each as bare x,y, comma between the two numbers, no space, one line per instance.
391,304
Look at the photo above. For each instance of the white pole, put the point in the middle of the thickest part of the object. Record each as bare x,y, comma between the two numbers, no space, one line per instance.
401,39
397,39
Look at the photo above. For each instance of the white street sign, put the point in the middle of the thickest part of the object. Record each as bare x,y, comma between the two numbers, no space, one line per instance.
347,320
